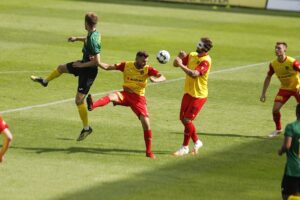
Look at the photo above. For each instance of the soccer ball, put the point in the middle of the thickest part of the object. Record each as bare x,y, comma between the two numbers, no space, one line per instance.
163,56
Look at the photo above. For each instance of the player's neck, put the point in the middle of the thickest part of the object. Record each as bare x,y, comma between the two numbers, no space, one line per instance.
137,67
281,58
90,30
201,54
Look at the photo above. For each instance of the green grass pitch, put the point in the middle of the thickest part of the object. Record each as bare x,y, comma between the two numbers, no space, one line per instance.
237,160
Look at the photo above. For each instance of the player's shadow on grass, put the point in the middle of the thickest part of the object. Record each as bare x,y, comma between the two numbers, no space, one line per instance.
228,135
72,150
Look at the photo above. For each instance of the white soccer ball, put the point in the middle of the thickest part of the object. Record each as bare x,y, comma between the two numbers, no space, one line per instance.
163,56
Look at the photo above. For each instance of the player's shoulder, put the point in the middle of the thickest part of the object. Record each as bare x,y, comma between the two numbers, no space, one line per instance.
290,59
293,128
193,54
95,35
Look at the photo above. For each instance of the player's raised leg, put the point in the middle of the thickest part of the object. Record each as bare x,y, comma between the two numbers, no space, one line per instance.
54,74
91,104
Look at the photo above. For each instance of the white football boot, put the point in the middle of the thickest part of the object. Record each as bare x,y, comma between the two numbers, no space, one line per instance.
182,151
274,133
197,146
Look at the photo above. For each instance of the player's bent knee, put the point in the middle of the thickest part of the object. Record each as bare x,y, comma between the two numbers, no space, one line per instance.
186,120
62,68
113,97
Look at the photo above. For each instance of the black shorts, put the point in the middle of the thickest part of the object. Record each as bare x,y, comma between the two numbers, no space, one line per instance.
290,185
86,76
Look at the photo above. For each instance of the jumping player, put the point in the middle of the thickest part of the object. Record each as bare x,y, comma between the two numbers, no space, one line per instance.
86,69
286,69
135,75
196,66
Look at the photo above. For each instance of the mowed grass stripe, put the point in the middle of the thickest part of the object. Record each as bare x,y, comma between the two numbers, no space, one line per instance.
106,92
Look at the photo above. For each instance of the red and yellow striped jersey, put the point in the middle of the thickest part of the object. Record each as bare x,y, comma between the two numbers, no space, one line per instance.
136,79
286,72
197,87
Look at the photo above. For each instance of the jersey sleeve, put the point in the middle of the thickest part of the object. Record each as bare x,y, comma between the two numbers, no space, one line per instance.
120,66
95,44
296,66
203,67
271,70
185,60
152,71
288,130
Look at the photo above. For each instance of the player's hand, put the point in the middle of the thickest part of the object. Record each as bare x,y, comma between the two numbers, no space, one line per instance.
263,98
72,39
182,54
177,62
77,64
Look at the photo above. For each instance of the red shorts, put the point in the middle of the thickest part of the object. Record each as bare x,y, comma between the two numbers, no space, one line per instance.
3,125
284,95
136,102
190,106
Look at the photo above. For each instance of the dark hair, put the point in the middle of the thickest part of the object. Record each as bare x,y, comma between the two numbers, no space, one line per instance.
207,44
142,54
91,19
283,43
298,110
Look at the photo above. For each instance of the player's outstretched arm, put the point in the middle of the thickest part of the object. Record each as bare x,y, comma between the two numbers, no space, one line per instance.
74,39
106,66
94,61
158,78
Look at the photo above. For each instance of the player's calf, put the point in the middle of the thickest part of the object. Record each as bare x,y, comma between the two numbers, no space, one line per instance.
89,102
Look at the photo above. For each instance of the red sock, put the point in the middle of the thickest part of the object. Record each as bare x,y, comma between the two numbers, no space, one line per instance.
148,140
276,118
101,102
188,130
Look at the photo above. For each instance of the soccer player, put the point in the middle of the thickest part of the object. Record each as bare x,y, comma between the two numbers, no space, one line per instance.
7,138
291,179
135,75
86,69
196,66
286,69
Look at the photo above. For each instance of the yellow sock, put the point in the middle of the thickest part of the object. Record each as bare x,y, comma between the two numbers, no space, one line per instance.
54,74
83,114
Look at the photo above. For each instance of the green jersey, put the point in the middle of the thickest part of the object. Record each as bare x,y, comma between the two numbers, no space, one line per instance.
292,167
92,45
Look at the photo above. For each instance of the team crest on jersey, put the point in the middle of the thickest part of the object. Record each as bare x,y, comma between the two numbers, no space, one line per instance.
286,67
142,72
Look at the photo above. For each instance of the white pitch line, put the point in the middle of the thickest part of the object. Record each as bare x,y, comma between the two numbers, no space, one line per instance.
102,93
